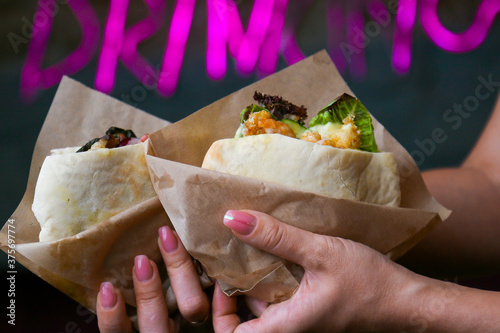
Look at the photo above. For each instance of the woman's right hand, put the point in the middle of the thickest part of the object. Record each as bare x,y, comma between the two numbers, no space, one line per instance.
347,286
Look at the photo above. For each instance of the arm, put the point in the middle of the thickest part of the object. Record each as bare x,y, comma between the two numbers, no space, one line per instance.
468,242
348,286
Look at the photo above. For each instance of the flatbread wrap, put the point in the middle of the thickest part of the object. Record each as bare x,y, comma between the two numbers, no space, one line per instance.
76,190
336,156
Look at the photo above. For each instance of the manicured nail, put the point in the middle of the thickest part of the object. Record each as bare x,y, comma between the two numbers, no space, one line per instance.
107,294
143,269
168,239
240,222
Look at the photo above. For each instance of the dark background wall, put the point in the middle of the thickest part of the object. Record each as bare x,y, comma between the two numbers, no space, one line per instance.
411,106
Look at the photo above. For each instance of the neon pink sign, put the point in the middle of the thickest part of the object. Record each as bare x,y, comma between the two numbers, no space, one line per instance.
111,45
262,37
405,22
137,33
269,33
449,41
458,42
33,77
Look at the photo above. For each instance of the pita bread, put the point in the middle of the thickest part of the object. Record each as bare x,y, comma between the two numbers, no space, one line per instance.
75,191
339,173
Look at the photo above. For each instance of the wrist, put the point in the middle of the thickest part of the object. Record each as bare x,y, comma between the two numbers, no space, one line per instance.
404,306
424,304
429,305
393,303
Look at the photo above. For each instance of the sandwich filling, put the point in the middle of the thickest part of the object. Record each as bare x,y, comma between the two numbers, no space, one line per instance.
345,123
114,137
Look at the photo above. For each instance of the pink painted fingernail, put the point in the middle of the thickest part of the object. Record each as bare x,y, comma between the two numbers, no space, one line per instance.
240,222
143,269
107,294
168,239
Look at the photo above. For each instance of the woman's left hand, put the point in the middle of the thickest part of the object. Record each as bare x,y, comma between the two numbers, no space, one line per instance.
152,313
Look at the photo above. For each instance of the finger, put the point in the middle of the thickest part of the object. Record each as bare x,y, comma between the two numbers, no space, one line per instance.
267,233
192,301
111,314
225,319
224,308
255,305
152,313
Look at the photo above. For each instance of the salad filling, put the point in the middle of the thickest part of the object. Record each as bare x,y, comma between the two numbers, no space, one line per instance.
344,123
114,137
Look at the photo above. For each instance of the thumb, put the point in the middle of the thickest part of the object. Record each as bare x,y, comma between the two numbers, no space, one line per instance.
264,232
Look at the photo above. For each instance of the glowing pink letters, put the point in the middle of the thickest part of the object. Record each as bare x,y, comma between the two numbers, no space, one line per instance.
33,77
111,45
176,44
405,22
267,35
458,42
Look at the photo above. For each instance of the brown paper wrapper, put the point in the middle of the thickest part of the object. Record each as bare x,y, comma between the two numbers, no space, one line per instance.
77,265
196,199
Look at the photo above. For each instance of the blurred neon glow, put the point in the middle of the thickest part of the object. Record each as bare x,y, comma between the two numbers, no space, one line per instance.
290,48
270,31
458,42
33,77
375,9
224,27
176,45
228,10
258,26
137,33
217,35
336,28
405,22
111,45
268,60
356,36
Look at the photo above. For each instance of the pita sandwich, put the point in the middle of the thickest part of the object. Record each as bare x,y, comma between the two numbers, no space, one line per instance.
309,159
76,191
339,173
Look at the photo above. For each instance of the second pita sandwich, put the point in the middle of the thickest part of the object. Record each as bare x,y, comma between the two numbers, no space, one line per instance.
336,156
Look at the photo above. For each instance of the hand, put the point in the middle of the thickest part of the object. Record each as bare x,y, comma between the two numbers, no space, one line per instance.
346,285
152,313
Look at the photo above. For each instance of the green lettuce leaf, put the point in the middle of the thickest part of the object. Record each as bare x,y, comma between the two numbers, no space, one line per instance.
342,107
245,113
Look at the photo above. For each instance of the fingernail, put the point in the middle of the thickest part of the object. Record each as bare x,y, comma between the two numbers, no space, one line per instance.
168,239
143,269
240,222
107,294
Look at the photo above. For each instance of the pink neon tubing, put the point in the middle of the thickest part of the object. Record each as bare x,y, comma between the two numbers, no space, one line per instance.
458,42
355,19
290,48
336,28
32,75
257,27
139,32
111,45
405,22
216,57
176,45
268,60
